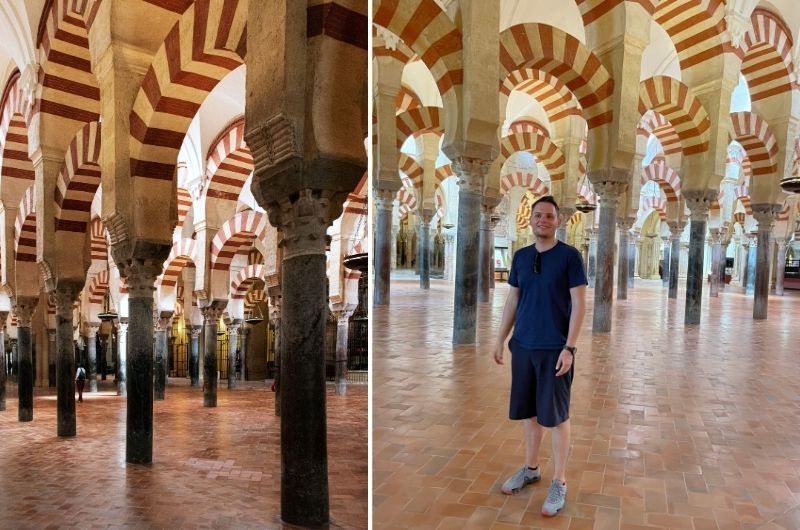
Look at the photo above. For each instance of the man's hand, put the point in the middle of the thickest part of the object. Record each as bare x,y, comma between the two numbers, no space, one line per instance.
498,353
564,363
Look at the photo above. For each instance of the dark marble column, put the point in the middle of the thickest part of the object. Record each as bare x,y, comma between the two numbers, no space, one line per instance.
424,248
723,251
275,321
665,266
161,324
3,368
342,332
471,173
102,359
23,309
51,358
780,267
591,260
486,249
194,354
676,229
716,252
64,296
91,349
233,350
634,246
211,313
244,332
750,277
624,226
608,193
141,275
698,203
764,213
122,355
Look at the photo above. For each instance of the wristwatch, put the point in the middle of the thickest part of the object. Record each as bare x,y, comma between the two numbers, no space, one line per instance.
571,349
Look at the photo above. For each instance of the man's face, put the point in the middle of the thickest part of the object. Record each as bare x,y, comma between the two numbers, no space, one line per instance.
545,220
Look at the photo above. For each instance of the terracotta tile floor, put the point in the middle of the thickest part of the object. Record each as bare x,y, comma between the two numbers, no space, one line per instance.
212,468
673,426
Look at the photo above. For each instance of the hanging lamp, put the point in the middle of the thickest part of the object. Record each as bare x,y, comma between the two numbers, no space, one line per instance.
357,261
254,315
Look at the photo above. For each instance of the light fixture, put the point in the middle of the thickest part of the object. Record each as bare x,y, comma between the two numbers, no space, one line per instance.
108,312
254,315
357,261
791,184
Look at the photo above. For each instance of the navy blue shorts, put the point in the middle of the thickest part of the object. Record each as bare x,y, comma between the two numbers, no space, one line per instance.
536,392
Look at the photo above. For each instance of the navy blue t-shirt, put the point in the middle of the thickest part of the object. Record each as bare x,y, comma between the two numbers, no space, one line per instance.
544,305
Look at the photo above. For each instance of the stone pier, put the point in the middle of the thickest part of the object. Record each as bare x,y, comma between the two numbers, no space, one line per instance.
608,193
211,314
716,254
698,203
24,307
384,201
342,332
676,229
765,215
780,267
624,226
161,324
233,351
65,295
91,353
122,356
194,355
424,249
3,367
486,249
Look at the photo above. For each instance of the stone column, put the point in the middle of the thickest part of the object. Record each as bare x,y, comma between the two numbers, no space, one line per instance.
471,173
245,331
486,249
64,296
624,227
141,275
122,354
716,251
698,203
723,251
23,309
591,260
424,249
194,354
765,215
161,324
91,352
211,313
780,266
3,368
665,267
565,214
494,219
233,350
103,357
449,257
634,251
750,274
384,201
608,193
51,357
676,229
275,321
342,331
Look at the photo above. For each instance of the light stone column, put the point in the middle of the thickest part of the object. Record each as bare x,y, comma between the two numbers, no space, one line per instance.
591,260
634,253
211,313
624,226
471,174
449,257
3,367
765,215
424,248
245,332
676,230
275,321
194,355
141,275
161,324
122,355
342,332
698,203
716,251
23,308
486,248
384,201
233,350
64,297
608,193
780,267
750,267
91,353
723,252
665,267
394,247
565,214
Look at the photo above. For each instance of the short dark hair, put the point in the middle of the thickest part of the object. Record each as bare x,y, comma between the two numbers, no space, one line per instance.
548,199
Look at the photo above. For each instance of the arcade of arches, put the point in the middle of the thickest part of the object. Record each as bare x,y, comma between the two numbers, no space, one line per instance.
180,182
665,130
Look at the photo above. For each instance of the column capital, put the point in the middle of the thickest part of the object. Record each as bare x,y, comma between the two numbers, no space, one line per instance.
699,203
92,328
781,241
23,307
603,177
608,192
162,320
764,214
303,221
141,275
195,331
235,326
213,311
51,335
384,199
676,228
343,315
625,223
471,173
122,325
64,296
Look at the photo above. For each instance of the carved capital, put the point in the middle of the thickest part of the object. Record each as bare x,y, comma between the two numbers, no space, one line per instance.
390,39
384,199
92,328
122,326
162,320
764,214
274,310
195,331
471,173
676,228
234,327
609,192
343,315
141,275
303,221
273,142
213,311
23,307
625,223
699,203
64,297
51,335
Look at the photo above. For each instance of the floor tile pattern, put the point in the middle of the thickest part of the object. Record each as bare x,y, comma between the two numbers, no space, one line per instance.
673,426
212,467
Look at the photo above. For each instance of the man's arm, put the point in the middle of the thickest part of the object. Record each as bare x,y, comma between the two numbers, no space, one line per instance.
506,322
578,297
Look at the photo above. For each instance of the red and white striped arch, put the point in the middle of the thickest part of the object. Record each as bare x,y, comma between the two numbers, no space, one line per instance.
666,178
78,180
546,152
229,163
656,124
210,37
245,278
591,10
69,88
407,199
786,209
527,125
742,194
411,168
444,172
757,141
672,99
716,204
654,203
426,29
407,99
767,62
182,255
25,227
14,123
526,180
739,217
184,205
98,287
551,93
543,47
696,27
418,121
236,236
254,297
99,244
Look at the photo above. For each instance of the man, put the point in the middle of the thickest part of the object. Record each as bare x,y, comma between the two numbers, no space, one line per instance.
545,305
80,381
